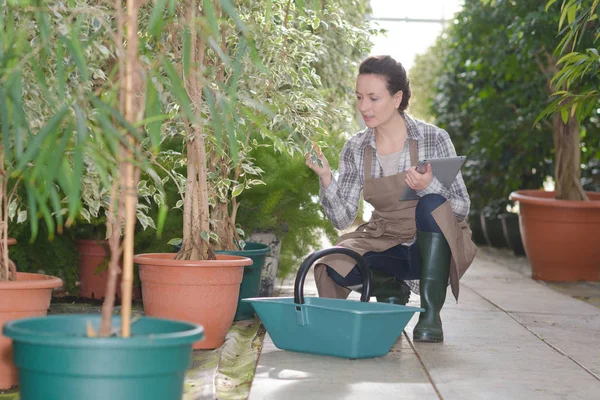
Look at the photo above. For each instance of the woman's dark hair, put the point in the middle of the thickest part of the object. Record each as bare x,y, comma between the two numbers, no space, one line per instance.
394,73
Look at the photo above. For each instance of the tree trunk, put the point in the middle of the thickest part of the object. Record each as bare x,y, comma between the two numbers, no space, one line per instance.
224,227
195,203
8,269
567,167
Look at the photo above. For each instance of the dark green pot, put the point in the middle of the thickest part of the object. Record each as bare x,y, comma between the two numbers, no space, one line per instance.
475,225
512,232
492,230
56,361
250,286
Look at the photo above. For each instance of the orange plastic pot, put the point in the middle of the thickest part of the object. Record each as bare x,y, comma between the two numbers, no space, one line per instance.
560,236
201,292
94,256
28,296
93,268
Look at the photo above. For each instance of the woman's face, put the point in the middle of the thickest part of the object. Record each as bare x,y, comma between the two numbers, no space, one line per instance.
373,100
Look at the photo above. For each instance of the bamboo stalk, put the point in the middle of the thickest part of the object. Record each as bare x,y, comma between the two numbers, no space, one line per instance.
5,275
128,179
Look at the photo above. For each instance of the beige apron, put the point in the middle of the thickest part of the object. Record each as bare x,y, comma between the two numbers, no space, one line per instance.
393,223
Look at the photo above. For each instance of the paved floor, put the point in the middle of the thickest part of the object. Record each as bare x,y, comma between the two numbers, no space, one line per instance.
508,337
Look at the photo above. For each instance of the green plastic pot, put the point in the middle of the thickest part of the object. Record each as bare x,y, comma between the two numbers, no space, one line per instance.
492,230
250,286
57,361
512,232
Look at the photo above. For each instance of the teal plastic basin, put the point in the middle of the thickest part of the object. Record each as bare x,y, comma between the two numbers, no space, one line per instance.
335,327
250,286
56,361
342,328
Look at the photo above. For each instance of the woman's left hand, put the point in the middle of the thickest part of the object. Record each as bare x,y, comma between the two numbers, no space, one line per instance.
418,181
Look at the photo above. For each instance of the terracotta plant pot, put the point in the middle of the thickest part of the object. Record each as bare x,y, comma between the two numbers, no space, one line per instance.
560,236
28,296
94,257
201,292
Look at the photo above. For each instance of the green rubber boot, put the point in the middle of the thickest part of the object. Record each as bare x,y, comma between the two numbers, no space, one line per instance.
386,288
435,268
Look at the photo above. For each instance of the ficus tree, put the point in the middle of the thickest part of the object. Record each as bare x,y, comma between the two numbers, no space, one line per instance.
46,95
251,82
498,64
574,87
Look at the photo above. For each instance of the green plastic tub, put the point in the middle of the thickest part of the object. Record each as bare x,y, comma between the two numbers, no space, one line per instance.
335,327
56,361
250,286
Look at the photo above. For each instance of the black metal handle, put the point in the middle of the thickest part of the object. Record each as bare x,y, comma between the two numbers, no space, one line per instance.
310,260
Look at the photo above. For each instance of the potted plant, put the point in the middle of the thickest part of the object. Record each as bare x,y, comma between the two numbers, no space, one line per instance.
559,228
227,89
90,233
83,356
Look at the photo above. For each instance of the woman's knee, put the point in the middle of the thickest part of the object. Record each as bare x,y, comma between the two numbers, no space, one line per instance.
426,205
353,277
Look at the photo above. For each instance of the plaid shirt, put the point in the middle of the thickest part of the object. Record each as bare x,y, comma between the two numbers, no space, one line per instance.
340,199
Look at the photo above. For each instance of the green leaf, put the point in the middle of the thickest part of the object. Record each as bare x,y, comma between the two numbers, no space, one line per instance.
572,12
233,13
217,123
76,53
268,10
41,79
152,111
5,124
74,194
55,199
32,210
178,90
61,79
43,24
175,242
35,145
300,6
156,22
211,15
187,46
204,235
161,218
132,130
237,190
565,115
549,4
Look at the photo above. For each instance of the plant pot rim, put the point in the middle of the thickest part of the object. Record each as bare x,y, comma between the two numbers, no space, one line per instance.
91,241
22,330
26,280
544,198
263,249
168,260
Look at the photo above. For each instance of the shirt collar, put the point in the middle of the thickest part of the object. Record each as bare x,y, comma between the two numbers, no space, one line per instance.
412,132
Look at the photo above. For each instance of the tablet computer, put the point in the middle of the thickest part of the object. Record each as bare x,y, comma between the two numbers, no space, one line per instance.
444,169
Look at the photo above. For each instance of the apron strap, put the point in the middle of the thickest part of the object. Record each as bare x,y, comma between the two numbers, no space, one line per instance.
368,161
414,153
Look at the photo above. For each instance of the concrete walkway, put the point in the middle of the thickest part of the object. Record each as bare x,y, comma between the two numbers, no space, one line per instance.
509,337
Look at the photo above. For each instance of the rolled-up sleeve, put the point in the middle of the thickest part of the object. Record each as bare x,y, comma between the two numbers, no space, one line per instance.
457,193
341,198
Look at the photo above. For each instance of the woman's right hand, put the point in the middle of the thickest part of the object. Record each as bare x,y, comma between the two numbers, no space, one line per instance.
324,172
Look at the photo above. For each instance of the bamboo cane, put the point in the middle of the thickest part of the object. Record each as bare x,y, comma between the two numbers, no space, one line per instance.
130,192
